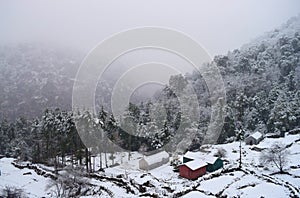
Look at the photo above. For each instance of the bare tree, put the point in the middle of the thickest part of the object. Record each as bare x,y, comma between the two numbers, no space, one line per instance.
277,154
69,182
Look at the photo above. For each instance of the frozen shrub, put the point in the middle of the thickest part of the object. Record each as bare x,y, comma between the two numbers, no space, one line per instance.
220,153
12,192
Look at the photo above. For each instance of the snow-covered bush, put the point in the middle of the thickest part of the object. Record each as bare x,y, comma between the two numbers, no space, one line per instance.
12,192
220,153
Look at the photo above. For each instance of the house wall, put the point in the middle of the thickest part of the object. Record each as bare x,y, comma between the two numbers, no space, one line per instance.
213,167
155,165
186,172
144,165
209,168
165,160
197,173
218,164
250,140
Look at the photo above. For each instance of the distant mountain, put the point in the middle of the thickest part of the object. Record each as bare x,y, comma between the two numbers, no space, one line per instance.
33,78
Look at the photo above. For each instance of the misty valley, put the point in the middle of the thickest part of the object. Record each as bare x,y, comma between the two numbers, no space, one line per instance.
51,148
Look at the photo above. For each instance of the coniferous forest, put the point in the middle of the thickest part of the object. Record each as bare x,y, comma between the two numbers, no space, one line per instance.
262,94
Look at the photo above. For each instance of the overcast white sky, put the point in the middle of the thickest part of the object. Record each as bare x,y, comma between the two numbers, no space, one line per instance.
219,25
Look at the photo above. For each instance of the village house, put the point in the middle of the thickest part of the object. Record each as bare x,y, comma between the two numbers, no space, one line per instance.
213,164
192,169
153,161
196,164
254,138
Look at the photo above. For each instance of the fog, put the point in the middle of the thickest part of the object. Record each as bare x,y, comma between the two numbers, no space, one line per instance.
218,25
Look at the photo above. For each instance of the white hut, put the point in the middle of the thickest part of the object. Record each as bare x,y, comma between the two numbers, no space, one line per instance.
154,161
254,138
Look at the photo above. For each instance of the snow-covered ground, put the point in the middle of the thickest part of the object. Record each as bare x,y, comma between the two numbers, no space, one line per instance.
33,184
253,180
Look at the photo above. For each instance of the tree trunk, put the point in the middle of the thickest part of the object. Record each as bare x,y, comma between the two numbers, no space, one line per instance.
90,162
105,156
87,159
63,160
94,163
55,165
129,154
80,158
100,160
240,165
72,163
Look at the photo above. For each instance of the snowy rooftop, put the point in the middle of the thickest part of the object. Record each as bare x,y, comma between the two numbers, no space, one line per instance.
199,156
210,159
152,159
256,135
192,155
195,164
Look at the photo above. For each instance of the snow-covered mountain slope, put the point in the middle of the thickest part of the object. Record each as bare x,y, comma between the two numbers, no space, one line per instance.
33,78
34,185
289,29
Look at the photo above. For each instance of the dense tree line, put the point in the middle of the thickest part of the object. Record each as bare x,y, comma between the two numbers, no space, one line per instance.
264,94
54,139
51,139
262,81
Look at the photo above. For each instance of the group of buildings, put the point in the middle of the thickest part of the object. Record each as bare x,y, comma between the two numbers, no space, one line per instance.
194,164
192,167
